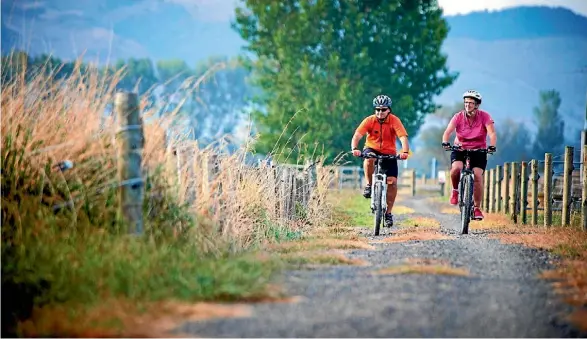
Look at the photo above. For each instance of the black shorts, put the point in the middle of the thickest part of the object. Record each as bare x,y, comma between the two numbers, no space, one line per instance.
478,159
388,165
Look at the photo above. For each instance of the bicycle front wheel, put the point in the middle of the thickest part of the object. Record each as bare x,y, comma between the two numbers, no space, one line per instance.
467,207
377,191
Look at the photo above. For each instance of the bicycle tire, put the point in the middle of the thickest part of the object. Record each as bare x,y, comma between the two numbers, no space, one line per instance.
466,209
377,191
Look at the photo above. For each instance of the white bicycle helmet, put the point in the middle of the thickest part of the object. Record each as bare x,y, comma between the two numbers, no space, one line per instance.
382,100
473,94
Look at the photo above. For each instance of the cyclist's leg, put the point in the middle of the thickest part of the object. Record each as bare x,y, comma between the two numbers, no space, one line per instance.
391,170
457,160
369,168
478,163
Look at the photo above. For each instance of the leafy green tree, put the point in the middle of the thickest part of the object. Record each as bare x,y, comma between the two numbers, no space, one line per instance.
319,63
514,143
550,136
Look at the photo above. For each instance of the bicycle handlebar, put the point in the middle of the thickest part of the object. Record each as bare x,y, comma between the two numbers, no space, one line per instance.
373,155
460,149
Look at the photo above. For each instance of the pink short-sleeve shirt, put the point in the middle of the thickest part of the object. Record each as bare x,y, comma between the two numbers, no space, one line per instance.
472,132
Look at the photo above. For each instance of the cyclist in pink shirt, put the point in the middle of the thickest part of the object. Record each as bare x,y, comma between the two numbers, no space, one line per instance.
472,127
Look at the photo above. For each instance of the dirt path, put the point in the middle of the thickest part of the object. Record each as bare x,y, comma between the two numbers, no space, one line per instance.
488,289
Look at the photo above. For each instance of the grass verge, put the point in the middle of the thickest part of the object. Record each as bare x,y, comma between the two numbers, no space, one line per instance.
424,266
63,244
352,204
425,222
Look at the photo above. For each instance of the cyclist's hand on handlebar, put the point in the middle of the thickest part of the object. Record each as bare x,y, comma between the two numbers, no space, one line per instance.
491,149
403,156
446,145
357,152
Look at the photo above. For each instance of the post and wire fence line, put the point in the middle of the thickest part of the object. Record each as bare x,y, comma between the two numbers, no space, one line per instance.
203,177
530,192
537,192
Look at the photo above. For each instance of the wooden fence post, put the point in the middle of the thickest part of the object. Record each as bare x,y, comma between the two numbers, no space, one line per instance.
498,202
584,192
493,190
524,192
506,188
515,191
130,141
547,189
534,175
413,184
485,199
448,183
567,189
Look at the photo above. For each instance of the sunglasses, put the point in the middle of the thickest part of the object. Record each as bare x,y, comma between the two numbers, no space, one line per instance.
381,109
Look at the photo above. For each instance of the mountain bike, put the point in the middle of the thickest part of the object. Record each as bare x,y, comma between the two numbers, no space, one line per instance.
465,189
378,188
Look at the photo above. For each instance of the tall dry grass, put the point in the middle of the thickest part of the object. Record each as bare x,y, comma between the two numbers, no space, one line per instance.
198,229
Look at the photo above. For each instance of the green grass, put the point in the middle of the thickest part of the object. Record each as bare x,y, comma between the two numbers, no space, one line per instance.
80,257
357,208
556,218
352,204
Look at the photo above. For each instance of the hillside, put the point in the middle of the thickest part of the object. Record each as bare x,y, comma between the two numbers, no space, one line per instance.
508,55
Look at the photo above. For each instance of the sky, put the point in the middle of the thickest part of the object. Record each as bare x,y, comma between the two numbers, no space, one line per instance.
453,7
223,10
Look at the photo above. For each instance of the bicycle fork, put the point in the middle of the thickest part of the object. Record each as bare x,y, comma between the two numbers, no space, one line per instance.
379,177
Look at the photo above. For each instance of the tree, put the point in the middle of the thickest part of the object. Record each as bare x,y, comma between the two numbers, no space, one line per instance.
137,72
320,62
550,136
514,143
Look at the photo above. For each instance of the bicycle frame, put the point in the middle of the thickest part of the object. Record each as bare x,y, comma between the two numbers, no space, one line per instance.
467,170
379,182
466,202
379,176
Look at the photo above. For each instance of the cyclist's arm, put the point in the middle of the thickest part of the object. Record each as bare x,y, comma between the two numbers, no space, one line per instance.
402,134
355,140
359,133
405,144
449,130
491,133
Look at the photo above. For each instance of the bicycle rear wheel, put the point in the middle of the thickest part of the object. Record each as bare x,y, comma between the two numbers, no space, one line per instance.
467,207
377,191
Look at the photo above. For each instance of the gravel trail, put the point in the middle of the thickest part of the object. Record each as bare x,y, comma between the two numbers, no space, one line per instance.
501,297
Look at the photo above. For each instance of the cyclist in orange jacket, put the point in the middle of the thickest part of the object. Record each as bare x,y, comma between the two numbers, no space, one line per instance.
382,129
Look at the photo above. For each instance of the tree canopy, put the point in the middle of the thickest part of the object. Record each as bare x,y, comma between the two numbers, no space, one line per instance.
319,63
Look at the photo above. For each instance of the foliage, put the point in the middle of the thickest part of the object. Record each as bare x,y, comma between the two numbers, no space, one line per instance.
550,136
320,63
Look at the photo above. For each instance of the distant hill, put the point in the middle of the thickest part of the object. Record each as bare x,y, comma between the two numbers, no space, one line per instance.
518,23
508,55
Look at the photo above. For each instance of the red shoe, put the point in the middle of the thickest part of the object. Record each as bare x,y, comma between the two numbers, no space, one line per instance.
477,214
454,197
